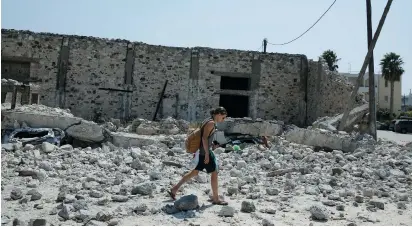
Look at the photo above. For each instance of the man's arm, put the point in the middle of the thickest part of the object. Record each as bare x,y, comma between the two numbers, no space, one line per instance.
206,132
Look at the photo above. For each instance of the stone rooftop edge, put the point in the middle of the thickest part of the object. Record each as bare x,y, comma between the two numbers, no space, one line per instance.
6,31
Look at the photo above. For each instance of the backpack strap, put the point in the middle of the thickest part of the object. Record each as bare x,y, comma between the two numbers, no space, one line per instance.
202,128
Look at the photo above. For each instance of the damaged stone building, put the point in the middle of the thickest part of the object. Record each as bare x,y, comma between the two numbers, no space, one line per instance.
95,77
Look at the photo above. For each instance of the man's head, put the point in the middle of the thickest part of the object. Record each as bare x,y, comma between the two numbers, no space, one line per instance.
219,114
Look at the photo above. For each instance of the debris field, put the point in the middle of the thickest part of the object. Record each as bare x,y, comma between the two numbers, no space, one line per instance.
120,174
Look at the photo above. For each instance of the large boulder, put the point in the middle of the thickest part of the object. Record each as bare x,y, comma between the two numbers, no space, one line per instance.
187,202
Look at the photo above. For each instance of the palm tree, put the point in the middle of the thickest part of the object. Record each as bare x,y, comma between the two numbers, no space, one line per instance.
331,59
392,71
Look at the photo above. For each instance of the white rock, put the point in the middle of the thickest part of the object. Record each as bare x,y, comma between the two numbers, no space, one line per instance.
47,147
201,179
8,146
219,150
28,147
16,125
66,147
46,166
241,164
18,146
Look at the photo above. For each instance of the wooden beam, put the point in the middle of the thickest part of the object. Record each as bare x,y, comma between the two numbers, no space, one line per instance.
232,74
160,100
20,59
14,98
234,92
114,89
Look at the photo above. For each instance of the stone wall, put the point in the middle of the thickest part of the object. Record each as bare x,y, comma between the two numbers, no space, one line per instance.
72,71
328,92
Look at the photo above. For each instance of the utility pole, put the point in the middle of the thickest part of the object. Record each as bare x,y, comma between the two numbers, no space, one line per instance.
352,100
404,103
372,98
265,43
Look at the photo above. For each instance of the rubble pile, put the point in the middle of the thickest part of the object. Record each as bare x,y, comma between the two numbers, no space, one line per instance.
248,126
42,109
166,126
356,116
302,177
17,83
327,139
10,82
286,184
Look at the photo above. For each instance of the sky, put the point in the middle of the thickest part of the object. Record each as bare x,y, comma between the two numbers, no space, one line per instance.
229,24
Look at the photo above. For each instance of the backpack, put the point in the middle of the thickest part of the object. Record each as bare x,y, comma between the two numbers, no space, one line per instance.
194,139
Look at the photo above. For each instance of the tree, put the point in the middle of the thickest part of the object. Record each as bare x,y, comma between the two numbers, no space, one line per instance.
392,71
331,59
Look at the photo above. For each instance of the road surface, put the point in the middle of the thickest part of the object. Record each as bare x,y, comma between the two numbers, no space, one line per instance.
397,137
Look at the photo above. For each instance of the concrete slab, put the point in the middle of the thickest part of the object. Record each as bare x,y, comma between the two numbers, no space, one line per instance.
250,127
331,123
319,139
76,127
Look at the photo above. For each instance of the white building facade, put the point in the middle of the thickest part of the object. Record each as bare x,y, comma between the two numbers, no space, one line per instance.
382,90
407,101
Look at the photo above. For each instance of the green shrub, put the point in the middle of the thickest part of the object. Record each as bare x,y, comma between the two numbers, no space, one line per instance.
406,114
384,115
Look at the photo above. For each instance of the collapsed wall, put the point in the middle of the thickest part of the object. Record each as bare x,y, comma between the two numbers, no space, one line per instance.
328,92
101,79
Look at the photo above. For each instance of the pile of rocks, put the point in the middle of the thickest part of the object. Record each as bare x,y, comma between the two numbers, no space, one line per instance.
167,126
288,184
10,82
356,116
42,109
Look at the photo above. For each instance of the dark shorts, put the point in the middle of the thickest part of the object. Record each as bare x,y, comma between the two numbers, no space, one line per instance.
210,167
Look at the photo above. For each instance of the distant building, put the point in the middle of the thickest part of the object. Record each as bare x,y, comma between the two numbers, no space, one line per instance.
364,87
407,101
383,91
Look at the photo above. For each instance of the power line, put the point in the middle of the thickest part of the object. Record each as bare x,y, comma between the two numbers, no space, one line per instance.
281,44
261,45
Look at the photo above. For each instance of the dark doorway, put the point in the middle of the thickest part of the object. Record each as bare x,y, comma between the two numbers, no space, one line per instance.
234,83
236,105
34,98
19,71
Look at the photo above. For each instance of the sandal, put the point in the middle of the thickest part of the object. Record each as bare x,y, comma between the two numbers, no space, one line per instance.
220,202
173,196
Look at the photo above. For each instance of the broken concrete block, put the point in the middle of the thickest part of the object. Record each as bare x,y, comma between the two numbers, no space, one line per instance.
48,147
86,131
8,146
147,129
331,123
76,127
319,139
251,127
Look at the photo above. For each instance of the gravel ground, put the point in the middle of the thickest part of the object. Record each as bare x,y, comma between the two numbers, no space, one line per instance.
288,184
